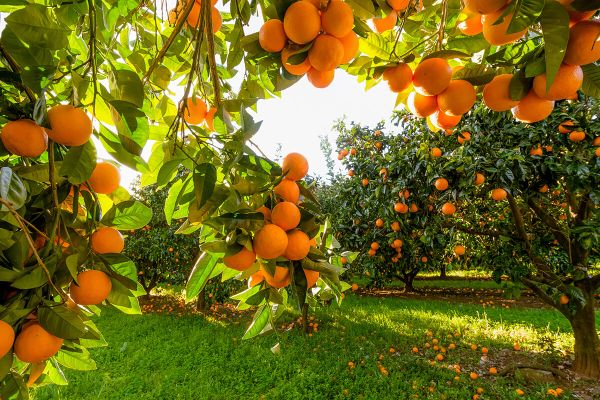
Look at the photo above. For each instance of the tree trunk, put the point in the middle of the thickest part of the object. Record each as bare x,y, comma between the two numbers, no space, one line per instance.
443,272
408,283
587,342
201,302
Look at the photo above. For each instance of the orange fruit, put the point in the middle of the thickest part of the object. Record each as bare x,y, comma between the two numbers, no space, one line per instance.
432,76
597,152
568,80
463,137
24,138
532,108
271,36
448,209
326,53
37,369
105,178
298,245
92,288
471,26
350,44
496,94
596,141
285,215
320,79
398,77
210,118
365,182
458,98
499,194
7,338
288,190
484,350
294,166
337,19
106,241
459,250
436,152
351,173
193,18
484,6
441,184
536,151
401,208
371,252
479,179
564,299
266,212
493,371
270,242
386,23
420,105
496,33
473,375
256,278
379,223
294,69
398,5
34,344
240,261
344,260
441,120
281,278
544,189
566,127
395,226
302,22
583,47
311,277
424,259
195,111
375,246
520,392
577,136
70,126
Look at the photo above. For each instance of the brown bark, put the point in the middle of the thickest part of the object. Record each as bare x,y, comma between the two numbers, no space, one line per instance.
201,302
587,342
408,280
443,272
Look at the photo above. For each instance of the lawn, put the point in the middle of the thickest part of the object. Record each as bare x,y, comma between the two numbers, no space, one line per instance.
159,356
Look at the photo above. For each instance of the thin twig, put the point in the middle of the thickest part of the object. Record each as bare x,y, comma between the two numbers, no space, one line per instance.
210,37
14,66
442,25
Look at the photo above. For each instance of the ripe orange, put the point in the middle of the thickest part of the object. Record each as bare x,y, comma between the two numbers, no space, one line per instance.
326,53
398,243
459,249
379,223
441,184
596,141
532,109
493,371
473,375
471,26
583,47
294,69
365,182
386,23
350,43
484,350
270,242
24,138
106,241
536,151
34,344
401,208
436,152
398,5
564,299
479,178
256,278
424,259
288,190
496,94
337,19
294,166
421,106
375,246
371,252
210,118
568,80
70,126
395,226
566,127
281,278
440,357
448,209
351,173
597,152
320,79
458,98
520,392
105,178
271,36
298,245
266,212
285,215
463,137
496,33
37,369
432,76
484,6
7,338
92,288
195,111
404,193
311,277
302,22
353,151
398,77
499,194
441,120
240,261
193,18
577,136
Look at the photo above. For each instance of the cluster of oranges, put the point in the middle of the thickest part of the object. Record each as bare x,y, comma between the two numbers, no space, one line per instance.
279,238
193,18
324,26
197,112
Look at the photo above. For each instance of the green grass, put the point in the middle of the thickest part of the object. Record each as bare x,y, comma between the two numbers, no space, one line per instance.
167,357
437,283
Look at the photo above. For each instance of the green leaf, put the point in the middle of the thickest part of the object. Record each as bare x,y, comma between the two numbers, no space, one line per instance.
259,322
35,278
362,8
36,24
519,86
477,74
126,85
555,27
526,12
12,189
79,162
172,200
63,322
127,215
448,54
375,45
591,80
205,177
199,275
75,360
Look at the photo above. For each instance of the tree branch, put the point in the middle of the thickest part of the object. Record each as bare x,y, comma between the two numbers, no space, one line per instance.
12,63
210,39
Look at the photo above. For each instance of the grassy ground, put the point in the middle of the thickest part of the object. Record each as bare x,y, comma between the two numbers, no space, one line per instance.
158,356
